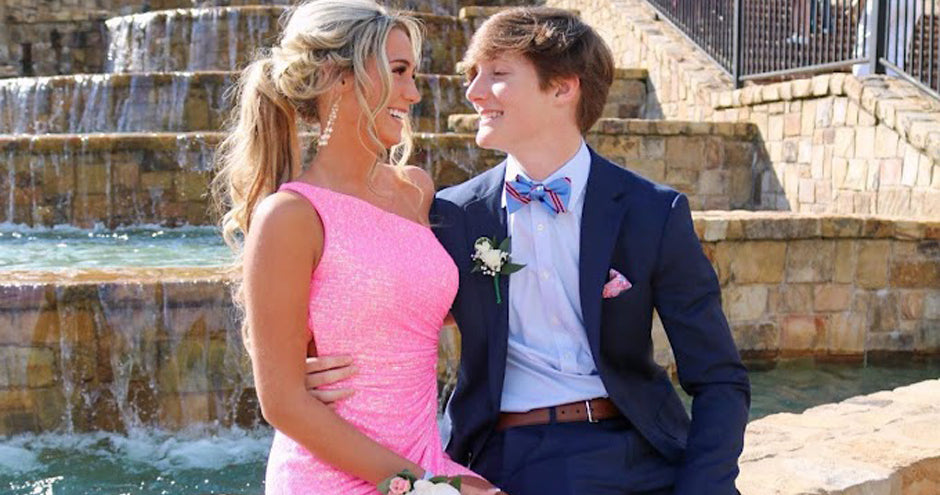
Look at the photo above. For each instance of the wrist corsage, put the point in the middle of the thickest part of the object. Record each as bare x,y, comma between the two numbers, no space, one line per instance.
407,483
494,261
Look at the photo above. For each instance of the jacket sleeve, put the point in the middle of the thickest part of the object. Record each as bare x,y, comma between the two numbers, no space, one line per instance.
687,297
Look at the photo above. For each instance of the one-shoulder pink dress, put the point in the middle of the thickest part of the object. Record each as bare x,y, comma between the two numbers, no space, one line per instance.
380,293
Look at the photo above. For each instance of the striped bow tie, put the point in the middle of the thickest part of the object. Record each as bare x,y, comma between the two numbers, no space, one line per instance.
553,196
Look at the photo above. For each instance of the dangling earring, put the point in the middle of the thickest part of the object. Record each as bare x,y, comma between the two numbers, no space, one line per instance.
327,130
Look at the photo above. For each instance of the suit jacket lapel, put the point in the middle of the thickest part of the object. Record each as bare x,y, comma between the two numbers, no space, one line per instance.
488,217
601,219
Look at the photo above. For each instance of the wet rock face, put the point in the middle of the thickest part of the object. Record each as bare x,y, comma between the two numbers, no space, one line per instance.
69,36
226,39
123,179
172,102
97,356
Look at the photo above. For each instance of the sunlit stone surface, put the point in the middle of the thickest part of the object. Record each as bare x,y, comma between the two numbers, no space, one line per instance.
880,444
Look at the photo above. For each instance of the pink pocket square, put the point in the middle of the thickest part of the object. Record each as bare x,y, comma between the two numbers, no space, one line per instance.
616,285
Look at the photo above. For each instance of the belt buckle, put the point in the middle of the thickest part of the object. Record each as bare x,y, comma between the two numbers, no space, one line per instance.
590,412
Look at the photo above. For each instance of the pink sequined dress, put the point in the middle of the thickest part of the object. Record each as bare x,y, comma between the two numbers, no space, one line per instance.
380,293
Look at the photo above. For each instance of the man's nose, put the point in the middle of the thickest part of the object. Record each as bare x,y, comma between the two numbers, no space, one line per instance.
475,90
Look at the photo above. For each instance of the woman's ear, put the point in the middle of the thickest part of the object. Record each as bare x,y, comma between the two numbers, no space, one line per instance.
346,83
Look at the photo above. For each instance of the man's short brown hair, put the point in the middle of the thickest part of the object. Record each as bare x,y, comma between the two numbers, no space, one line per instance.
558,43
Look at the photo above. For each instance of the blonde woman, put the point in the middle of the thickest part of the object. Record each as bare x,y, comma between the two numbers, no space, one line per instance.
338,254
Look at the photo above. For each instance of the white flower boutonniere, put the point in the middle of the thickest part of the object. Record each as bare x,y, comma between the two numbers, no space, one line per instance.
493,260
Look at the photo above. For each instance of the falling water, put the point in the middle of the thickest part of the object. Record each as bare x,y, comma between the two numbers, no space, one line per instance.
107,103
434,83
232,40
189,39
35,178
95,109
11,187
127,312
204,39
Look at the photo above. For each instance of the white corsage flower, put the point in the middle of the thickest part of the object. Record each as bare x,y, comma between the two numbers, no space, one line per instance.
422,487
493,260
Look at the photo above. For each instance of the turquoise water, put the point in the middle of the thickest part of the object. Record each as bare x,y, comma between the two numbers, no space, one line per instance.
150,462
70,248
231,461
795,386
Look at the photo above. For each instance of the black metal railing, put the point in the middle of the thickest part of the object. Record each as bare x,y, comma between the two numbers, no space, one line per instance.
765,39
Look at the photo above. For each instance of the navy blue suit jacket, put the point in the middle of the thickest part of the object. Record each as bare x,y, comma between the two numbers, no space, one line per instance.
644,231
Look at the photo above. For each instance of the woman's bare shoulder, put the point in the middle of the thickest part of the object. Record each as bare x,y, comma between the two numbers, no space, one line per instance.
285,209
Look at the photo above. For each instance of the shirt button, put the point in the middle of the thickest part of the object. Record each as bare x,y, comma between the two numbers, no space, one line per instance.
555,320
540,227
545,274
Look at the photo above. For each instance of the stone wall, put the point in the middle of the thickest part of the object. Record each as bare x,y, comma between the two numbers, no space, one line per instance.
826,285
885,443
105,349
836,143
830,286
844,145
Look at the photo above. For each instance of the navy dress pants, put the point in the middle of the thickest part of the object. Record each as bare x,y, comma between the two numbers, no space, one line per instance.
604,458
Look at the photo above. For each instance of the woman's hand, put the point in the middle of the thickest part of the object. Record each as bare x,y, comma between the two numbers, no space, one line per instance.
472,485
327,370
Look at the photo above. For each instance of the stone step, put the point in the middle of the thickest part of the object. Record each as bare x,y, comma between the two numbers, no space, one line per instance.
224,38
164,102
136,178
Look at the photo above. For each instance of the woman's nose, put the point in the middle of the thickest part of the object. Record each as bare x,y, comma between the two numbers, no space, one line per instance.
412,95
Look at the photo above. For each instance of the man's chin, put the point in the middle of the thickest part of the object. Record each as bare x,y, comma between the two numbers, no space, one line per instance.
486,140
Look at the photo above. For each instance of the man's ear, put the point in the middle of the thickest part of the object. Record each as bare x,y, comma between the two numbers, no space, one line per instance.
566,89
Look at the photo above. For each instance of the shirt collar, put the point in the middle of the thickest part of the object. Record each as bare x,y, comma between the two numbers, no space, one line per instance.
576,169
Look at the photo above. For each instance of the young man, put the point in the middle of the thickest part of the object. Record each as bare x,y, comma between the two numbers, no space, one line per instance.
557,390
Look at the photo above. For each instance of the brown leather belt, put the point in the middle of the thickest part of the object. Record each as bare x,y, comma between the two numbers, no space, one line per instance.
591,411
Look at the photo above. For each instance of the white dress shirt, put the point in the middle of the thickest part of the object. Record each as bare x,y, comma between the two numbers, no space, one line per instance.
549,358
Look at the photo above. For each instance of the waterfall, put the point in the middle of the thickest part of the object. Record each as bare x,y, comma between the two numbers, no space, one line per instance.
133,333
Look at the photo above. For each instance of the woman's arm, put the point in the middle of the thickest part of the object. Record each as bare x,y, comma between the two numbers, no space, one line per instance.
281,251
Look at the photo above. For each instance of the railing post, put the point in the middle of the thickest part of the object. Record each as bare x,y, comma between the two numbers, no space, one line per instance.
877,39
737,53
